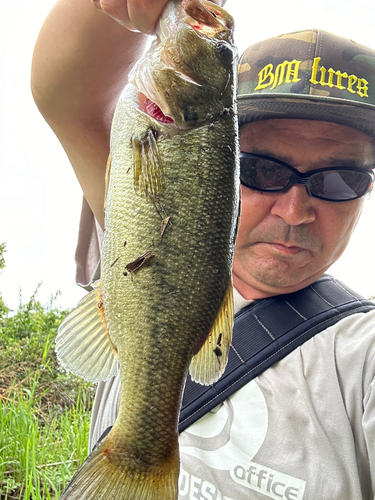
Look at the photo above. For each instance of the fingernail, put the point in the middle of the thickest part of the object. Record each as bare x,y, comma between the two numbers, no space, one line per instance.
96,4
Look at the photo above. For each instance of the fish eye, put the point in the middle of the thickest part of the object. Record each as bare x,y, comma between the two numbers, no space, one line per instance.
224,52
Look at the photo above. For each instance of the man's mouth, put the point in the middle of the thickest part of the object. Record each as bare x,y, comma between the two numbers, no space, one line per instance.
284,249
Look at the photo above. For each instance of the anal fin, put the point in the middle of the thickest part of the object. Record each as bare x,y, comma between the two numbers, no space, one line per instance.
83,344
209,363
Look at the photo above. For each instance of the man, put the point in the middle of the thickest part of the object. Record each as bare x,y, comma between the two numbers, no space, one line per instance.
305,427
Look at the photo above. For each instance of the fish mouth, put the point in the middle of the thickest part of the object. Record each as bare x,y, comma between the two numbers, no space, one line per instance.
206,17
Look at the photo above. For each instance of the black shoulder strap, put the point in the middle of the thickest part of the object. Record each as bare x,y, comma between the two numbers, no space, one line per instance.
266,331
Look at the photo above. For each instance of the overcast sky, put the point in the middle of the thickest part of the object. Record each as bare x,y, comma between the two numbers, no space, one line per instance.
39,195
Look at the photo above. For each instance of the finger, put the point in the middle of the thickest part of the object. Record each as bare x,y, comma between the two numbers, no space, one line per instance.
96,4
135,15
117,9
145,15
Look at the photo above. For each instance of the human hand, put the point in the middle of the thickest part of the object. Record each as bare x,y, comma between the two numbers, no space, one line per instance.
136,15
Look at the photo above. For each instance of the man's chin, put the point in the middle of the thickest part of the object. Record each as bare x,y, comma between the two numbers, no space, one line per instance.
262,283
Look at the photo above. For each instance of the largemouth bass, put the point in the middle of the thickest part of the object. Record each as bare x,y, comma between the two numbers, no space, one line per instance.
164,302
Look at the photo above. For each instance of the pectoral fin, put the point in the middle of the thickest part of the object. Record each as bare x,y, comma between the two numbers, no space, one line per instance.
83,344
148,168
209,363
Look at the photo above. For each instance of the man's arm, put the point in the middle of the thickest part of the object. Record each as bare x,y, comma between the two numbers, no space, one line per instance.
81,63
80,66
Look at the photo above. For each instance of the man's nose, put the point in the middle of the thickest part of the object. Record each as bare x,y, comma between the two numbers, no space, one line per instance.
295,206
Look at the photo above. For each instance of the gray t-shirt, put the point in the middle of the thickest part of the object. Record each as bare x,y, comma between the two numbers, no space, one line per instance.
304,429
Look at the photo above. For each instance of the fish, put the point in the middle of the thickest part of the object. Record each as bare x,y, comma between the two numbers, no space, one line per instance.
164,303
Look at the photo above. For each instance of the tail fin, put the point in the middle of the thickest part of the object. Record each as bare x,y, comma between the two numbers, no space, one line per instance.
99,478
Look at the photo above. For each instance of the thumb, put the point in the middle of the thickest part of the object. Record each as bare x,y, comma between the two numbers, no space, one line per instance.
135,15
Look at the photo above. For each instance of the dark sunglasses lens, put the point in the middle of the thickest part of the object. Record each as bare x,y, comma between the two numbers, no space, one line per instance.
339,185
263,174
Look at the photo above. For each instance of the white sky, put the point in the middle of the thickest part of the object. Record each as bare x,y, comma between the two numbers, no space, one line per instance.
39,195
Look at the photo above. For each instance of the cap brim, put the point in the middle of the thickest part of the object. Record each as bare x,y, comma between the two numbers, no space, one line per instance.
356,115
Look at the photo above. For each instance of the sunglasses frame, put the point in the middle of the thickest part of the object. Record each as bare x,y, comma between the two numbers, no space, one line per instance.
304,178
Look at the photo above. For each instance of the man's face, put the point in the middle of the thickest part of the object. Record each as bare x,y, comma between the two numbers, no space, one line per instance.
288,240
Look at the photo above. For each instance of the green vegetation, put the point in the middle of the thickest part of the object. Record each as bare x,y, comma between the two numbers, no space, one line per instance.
44,412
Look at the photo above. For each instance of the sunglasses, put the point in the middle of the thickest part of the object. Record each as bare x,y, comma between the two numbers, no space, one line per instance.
263,173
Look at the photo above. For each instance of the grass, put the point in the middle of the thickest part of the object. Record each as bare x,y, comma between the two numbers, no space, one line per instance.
44,412
39,454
